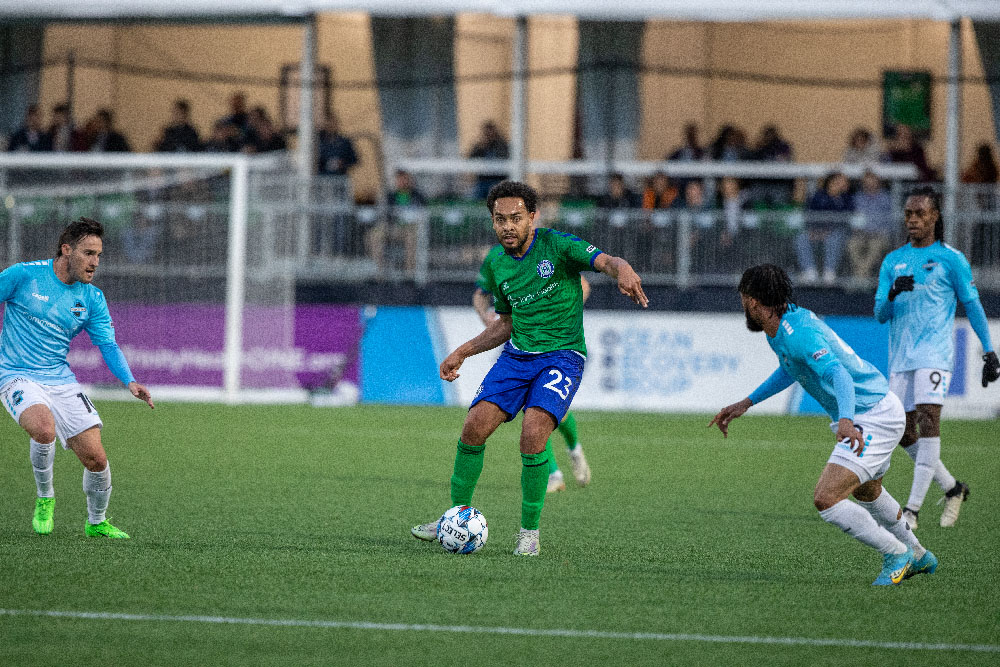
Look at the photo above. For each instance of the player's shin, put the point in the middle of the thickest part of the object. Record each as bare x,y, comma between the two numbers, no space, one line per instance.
97,487
859,524
468,467
885,510
42,457
568,430
534,479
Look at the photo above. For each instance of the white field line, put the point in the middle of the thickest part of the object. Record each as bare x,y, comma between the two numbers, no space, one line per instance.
528,632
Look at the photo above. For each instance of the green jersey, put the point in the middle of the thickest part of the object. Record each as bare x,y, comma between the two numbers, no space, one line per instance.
541,291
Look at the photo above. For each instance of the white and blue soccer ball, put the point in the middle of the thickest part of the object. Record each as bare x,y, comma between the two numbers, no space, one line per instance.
462,530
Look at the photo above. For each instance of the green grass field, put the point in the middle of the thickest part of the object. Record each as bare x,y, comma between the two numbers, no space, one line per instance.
285,531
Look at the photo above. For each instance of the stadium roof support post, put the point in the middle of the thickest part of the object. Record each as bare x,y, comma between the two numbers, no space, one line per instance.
517,97
306,131
953,130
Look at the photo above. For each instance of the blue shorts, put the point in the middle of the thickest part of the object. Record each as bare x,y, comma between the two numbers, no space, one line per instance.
521,380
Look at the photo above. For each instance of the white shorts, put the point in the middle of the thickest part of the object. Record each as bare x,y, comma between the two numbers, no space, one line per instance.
881,427
924,385
72,410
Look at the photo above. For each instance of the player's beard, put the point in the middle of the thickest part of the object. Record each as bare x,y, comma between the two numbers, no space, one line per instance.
521,240
752,324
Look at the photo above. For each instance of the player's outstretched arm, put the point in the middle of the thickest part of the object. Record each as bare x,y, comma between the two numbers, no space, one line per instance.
140,392
728,414
629,282
496,333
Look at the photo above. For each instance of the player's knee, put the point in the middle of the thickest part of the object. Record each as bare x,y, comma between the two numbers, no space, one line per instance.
927,422
824,500
43,434
95,462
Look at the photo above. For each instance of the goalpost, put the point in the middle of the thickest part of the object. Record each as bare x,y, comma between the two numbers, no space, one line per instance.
199,264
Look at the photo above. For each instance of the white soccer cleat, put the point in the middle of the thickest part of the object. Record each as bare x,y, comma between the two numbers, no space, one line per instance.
910,517
556,482
428,532
953,504
527,543
581,471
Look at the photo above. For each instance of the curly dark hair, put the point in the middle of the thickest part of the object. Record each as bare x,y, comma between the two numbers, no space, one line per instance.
769,284
934,197
524,191
77,230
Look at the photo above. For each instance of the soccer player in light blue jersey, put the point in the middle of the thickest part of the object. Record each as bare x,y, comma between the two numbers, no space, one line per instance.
868,421
49,302
918,287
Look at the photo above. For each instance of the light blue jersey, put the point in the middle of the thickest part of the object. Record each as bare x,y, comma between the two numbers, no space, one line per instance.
807,348
921,322
42,316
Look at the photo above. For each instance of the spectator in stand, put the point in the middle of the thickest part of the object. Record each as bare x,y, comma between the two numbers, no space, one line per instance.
225,138
239,117
691,150
618,194
404,203
180,136
336,153
62,131
983,168
868,244
100,135
862,148
729,145
828,223
905,147
31,137
659,192
263,137
771,193
491,145
771,146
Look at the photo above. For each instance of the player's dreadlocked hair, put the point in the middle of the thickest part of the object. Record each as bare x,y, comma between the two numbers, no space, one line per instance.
934,197
77,230
769,284
502,189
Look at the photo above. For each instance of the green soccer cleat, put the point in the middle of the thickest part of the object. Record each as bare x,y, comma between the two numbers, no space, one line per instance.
104,529
42,522
894,568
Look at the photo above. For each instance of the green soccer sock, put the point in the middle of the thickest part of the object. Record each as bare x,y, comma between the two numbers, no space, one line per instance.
553,466
468,466
534,479
568,430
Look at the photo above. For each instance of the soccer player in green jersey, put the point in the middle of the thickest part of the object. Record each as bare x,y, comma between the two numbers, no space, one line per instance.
482,301
534,275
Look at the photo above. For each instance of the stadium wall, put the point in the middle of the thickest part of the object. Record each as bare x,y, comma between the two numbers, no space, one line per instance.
656,362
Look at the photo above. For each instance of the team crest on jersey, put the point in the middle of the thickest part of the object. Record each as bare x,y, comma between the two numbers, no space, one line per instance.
78,309
545,268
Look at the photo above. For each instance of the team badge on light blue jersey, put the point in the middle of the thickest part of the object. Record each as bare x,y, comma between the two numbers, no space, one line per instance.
545,268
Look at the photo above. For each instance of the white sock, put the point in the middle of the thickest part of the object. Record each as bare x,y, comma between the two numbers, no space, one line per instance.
885,510
927,458
942,476
859,524
97,487
42,458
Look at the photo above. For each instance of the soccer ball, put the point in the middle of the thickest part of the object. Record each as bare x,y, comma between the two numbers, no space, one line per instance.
462,530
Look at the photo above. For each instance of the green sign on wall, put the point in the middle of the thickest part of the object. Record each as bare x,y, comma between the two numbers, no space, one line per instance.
906,100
